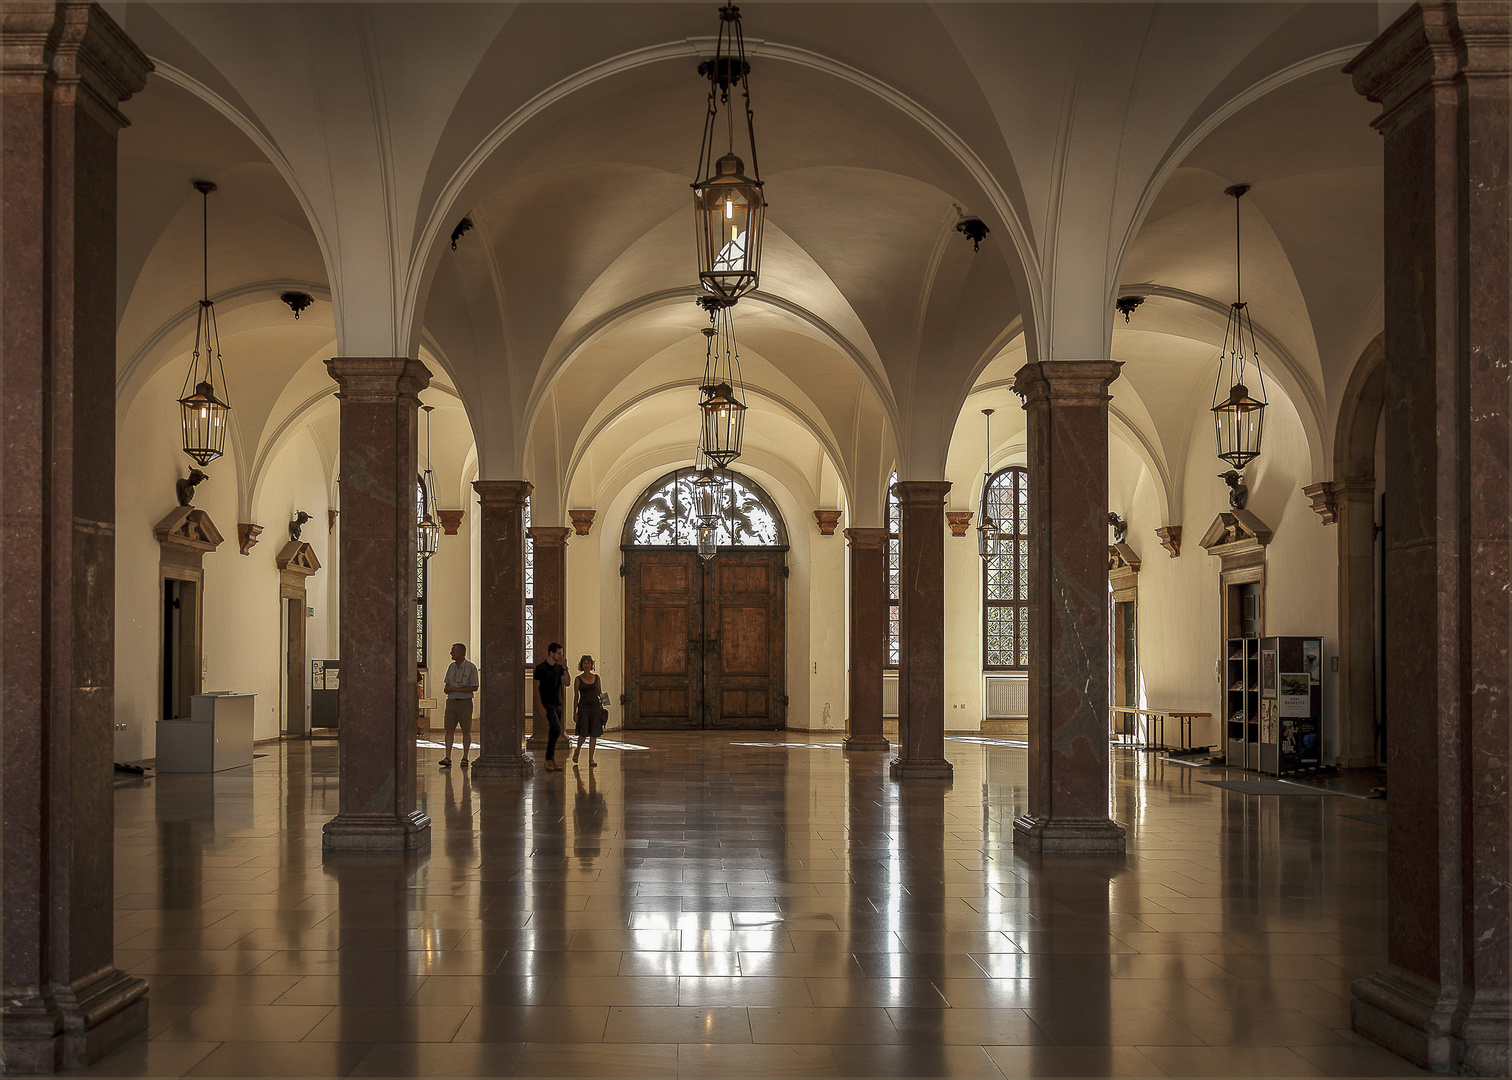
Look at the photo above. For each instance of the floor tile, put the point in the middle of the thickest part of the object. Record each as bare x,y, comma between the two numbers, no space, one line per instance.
245,1023
440,1059
604,1059
1050,1060
393,1023
281,1059
711,1061
651,1023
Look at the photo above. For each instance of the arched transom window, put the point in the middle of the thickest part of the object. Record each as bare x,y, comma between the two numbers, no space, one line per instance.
1005,576
665,514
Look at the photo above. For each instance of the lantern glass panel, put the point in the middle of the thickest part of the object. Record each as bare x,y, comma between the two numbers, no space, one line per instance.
708,542
729,211
723,424
204,418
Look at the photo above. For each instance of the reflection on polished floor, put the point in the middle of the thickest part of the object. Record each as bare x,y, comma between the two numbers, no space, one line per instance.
703,908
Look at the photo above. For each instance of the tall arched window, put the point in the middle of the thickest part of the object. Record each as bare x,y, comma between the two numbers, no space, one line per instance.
529,588
894,520
1005,576
422,592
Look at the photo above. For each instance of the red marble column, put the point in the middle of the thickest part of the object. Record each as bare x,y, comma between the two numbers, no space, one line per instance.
1440,73
66,67
1069,771
379,461
501,668
550,605
921,614
868,637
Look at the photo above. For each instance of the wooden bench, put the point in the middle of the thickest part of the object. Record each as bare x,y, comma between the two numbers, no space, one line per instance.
1154,721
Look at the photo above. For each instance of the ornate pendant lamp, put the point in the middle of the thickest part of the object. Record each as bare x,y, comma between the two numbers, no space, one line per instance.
723,396
427,532
708,487
203,414
728,206
989,534
1238,415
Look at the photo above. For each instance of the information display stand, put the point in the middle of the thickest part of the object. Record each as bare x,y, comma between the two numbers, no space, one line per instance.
1291,705
1241,697
325,684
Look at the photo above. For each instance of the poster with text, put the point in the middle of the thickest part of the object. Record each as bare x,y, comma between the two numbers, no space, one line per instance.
1296,694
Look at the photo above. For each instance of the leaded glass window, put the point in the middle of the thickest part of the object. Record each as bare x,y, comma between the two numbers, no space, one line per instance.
666,515
894,520
422,593
529,587
1005,575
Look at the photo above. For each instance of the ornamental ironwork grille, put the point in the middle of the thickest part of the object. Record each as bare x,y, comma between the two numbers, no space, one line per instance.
422,583
529,587
1005,575
894,523
666,514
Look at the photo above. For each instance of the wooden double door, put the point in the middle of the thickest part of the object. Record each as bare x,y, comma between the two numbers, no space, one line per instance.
704,641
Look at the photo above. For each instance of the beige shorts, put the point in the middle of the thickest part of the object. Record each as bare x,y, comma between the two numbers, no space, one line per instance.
458,711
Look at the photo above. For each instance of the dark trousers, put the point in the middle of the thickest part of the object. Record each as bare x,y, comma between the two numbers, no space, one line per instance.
553,729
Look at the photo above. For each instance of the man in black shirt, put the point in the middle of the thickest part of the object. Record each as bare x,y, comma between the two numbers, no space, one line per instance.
551,679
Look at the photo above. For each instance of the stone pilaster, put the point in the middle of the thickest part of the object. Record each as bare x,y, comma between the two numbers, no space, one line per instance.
550,543
868,637
921,613
1069,780
501,668
65,69
380,402
1355,502
1440,73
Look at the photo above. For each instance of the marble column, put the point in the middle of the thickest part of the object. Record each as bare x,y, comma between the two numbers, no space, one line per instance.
1355,501
380,402
66,68
501,668
921,614
868,637
1440,73
1069,794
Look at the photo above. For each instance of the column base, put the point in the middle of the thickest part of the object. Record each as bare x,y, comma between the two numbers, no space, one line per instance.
921,769
1050,836
376,832
866,742
74,1027
497,766
1408,1015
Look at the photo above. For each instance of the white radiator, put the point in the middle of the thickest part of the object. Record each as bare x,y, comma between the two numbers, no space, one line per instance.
1007,697
890,695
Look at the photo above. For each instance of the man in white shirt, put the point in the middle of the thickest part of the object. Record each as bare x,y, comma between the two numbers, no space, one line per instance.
461,685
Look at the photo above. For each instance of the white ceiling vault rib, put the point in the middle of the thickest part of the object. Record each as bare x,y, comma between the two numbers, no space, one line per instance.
143,362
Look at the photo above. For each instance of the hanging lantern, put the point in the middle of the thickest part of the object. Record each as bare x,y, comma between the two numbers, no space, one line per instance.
1238,414
728,205
708,489
427,536
427,532
708,541
205,416
723,396
989,530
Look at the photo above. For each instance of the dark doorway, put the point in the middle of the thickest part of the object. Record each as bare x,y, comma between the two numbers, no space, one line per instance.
180,622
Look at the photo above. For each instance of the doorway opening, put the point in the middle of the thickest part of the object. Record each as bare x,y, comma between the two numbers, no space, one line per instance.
292,698
180,649
705,640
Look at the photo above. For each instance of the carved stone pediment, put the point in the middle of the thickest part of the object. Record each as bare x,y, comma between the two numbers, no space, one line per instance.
298,557
1122,557
188,528
1234,531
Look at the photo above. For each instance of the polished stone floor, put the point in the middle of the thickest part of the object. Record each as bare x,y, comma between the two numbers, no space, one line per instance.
745,905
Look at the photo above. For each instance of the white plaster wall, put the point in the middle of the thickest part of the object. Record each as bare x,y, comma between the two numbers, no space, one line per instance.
964,687
827,658
242,624
1180,613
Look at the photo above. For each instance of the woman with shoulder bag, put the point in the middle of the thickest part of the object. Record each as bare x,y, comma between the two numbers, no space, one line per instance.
591,702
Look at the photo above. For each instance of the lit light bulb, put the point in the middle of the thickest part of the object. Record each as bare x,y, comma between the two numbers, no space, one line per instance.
204,413
729,209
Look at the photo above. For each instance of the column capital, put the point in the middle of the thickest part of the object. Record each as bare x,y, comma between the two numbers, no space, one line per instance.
505,493
867,539
1432,44
1066,383
922,492
376,380
549,535
582,521
94,53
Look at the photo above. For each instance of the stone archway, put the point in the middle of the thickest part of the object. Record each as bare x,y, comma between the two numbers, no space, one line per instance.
1360,743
